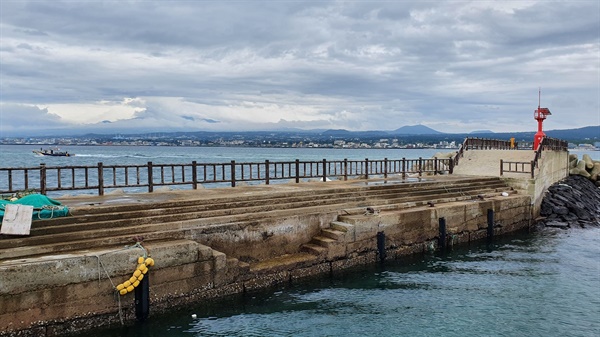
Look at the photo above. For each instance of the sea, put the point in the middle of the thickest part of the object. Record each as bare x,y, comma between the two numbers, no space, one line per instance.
539,283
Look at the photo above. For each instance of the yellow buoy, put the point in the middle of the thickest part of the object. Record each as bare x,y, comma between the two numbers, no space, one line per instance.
136,283
126,284
141,267
144,271
120,286
130,289
132,279
149,262
141,259
140,277
123,291
137,273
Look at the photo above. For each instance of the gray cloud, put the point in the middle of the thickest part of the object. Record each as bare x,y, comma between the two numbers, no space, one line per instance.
229,65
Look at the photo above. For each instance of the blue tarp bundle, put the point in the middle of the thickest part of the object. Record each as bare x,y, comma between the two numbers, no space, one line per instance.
43,207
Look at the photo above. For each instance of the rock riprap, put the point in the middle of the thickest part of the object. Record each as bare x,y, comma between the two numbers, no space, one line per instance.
572,202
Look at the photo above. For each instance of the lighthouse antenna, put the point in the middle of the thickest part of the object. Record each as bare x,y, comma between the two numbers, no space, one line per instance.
539,97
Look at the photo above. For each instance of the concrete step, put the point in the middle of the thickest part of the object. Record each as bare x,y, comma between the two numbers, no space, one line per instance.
323,241
341,226
313,249
158,215
163,221
110,213
141,228
332,233
86,244
284,262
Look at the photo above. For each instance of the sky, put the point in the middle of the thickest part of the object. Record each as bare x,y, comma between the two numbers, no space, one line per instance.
152,66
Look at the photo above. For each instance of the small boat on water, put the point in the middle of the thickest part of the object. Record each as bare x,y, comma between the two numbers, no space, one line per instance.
53,152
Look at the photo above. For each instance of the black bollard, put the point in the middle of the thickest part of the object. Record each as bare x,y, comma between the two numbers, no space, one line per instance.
442,237
381,245
490,223
142,299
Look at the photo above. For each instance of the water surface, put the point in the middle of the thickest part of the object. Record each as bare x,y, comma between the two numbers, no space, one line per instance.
542,284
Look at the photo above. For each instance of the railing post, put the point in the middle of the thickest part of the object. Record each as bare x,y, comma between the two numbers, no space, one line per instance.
501,167
43,178
403,168
366,168
420,166
324,170
385,167
345,169
233,173
100,179
150,178
451,166
267,172
435,165
297,171
194,176
532,170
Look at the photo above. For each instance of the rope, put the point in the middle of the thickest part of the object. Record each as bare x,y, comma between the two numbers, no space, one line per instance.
51,208
101,266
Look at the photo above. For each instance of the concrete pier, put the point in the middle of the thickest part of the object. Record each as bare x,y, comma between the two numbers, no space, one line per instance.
214,242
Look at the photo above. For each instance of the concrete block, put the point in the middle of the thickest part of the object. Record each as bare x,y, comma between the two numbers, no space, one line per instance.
336,251
219,260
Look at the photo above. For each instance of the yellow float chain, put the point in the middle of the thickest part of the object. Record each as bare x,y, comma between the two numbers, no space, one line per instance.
138,275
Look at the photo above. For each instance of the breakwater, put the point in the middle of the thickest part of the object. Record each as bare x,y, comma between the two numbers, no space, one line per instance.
585,167
209,244
572,202
238,240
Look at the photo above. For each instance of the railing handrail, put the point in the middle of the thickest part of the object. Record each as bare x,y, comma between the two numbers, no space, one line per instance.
546,143
44,179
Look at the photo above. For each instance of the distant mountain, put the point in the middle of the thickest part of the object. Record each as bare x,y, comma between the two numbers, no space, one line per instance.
482,131
415,130
337,132
588,132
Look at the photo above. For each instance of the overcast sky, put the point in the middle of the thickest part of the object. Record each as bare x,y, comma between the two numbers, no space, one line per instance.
454,66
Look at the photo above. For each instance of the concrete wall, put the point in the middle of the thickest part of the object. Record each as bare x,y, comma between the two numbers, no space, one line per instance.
553,167
57,295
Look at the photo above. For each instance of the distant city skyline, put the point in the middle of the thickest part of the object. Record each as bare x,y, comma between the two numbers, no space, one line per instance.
76,67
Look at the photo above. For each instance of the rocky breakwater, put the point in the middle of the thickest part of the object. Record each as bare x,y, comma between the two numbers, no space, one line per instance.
586,167
572,202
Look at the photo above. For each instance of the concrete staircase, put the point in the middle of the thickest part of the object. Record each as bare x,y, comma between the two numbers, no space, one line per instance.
115,225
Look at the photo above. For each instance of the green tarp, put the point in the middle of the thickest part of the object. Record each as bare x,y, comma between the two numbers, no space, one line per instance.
43,207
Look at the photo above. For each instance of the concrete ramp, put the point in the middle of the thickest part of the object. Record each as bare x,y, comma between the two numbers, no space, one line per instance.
487,162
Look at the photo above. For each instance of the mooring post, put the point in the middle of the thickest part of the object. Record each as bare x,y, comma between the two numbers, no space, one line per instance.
442,237
142,299
381,245
490,222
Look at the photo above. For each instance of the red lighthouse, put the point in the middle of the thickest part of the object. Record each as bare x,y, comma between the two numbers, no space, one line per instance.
539,115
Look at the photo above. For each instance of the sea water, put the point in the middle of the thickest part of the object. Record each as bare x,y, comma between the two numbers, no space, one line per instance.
22,155
540,284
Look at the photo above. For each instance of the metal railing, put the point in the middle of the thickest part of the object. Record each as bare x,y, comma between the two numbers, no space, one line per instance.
483,144
147,177
517,167
547,144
